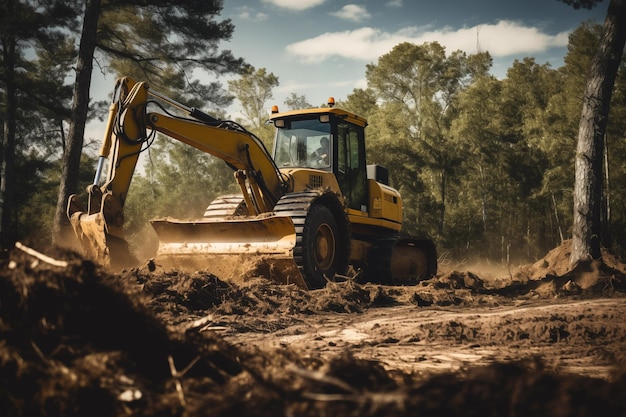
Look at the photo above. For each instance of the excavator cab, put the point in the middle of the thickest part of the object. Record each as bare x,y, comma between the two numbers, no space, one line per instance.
327,142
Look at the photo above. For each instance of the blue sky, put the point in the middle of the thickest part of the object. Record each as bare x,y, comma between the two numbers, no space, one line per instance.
319,48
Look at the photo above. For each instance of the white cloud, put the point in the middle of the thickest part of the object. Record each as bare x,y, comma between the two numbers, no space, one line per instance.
505,38
354,44
292,85
352,12
295,4
509,38
248,13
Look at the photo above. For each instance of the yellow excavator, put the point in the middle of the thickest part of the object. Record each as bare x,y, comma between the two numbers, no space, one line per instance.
311,211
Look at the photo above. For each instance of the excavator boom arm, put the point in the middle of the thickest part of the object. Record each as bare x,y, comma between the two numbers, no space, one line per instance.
226,140
129,130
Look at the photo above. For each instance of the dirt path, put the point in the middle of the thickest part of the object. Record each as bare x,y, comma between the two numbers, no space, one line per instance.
574,335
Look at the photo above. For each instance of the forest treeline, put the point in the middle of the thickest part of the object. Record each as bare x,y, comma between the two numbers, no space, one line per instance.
485,165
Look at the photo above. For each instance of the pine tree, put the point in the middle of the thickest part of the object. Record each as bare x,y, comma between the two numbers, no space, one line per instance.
28,90
154,37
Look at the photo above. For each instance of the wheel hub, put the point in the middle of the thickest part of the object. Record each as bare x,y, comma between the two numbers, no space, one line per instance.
324,247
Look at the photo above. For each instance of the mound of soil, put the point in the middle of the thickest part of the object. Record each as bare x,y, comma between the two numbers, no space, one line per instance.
76,340
599,276
74,343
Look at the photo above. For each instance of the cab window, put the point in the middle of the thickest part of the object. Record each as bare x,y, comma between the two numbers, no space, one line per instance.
303,143
351,170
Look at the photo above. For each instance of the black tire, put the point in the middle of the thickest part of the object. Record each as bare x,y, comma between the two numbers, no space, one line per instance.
324,251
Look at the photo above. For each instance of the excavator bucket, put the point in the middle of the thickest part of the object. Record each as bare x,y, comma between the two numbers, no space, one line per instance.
232,249
95,238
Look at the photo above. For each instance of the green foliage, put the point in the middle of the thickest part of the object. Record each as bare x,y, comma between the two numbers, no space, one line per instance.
34,56
423,84
485,166
253,90
615,198
390,144
163,41
585,4
296,102
38,174
361,102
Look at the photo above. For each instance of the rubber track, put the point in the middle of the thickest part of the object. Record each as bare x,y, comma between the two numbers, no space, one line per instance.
296,206
225,205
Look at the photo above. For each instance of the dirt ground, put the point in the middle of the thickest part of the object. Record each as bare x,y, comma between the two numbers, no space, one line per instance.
540,340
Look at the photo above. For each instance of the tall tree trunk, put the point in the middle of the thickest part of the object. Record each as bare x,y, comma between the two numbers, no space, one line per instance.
442,205
80,108
7,152
7,173
587,226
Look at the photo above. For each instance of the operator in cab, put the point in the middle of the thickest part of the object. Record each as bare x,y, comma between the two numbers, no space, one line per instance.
321,154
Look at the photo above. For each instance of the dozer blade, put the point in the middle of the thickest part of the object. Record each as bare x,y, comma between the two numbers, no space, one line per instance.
232,249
